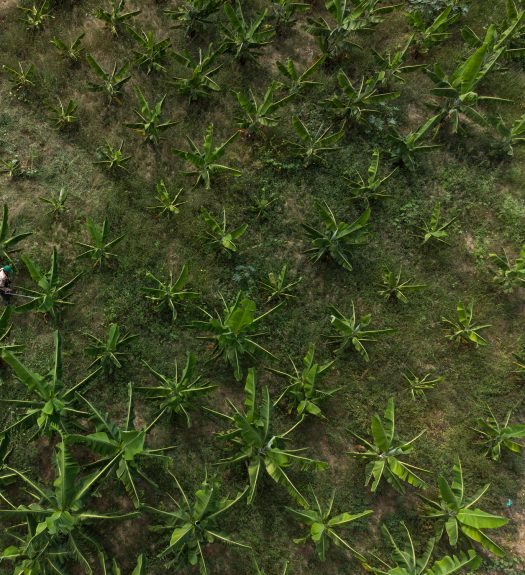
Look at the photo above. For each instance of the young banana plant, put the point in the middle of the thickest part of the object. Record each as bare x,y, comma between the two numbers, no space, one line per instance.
171,294
205,161
242,39
116,18
508,136
278,287
285,14
112,158
233,333
263,202
64,116
151,54
139,569
22,79
434,230
51,295
13,168
108,354
149,127
464,329
406,562
353,331
392,67
255,443
122,448
302,391
178,395
259,115
219,232
509,274
394,287
259,571
9,238
369,188
312,145
168,204
195,524
498,437
193,15
336,237
385,452
454,513
427,36
110,83
99,250
36,16
51,404
323,526
404,148
418,386
70,50
200,82
298,82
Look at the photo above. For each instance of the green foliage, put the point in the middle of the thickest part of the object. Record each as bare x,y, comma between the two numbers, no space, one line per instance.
277,286
13,168
254,441
98,251
112,158
298,82
313,145
168,205
178,395
195,524
21,79
392,67
51,294
36,16
219,233
434,230
116,17
6,475
302,390
149,127
5,330
351,331
116,570
455,513
170,294
205,161
193,15
465,330
384,454
56,202
427,36
509,274
110,83
262,203
108,354
499,436
151,53
200,83
419,385
51,405
509,136
71,50
324,526
336,237
233,333
404,148
394,287
257,116
285,13
9,238
370,188
64,116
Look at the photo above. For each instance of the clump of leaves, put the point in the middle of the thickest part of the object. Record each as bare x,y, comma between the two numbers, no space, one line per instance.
64,116
71,50
313,144
435,229
369,188
110,83
200,82
111,157
285,13
151,53
418,386
36,16
509,274
428,35
21,79
56,202
262,203
219,232
405,147
13,168
298,82
193,15
149,127
99,250
109,353
394,287
498,437
168,204
277,286
116,17
464,329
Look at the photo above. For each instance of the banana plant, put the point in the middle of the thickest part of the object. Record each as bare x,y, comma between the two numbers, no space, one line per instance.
357,102
419,385
13,168
434,230
242,39
457,91
9,238
369,188
139,569
36,16
116,17
255,443
21,79
405,147
258,115
108,354
122,449
454,513
509,274
99,250
205,161
298,82
509,136
302,390
112,158
394,287
71,50
278,286
51,295
392,67
200,82
168,204
149,127
219,232
312,145
263,202
194,525
110,83
193,15
427,36
408,563
348,17
57,525
233,333
336,237
51,407
178,395
259,571
353,331
497,437
323,526
64,116
286,12
151,54
170,294
385,452
464,329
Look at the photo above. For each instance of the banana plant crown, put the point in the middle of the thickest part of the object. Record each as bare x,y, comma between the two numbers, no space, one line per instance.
497,437
278,285
193,14
405,147
219,232
110,83
259,115
108,353
151,53
394,287
369,188
116,17
71,50
509,274
99,250
200,83
297,82
168,204
149,127
465,330
312,145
